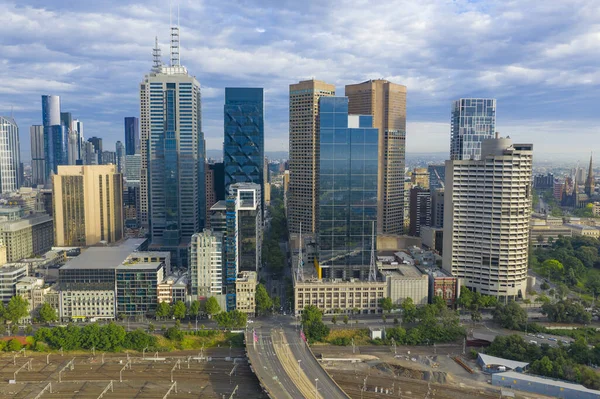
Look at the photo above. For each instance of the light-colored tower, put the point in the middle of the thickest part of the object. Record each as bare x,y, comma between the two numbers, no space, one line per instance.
88,205
304,154
10,155
38,163
386,102
487,207
172,143
206,264
472,121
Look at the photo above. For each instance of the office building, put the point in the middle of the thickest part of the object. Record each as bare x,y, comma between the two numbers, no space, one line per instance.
420,210
206,264
420,177
472,121
10,156
173,288
211,196
97,144
120,157
9,276
38,162
132,135
32,290
133,168
89,154
55,135
302,199
86,304
244,144
73,141
437,175
487,208
27,237
218,217
131,190
109,158
386,103
172,147
347,189
245,293
88,204
403,279
437,207
137,287
218,175
543,182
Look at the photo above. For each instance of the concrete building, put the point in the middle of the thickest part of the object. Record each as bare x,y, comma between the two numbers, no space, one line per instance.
9,277
583,230
87,304
302,182
27,237
173,289
31,289
403,280
38,163
543,386
487,208
433,238
10,155
437,175
420,177
218,217
543,235
137,287
245,292
420,210
473,120
437,207
386,102
88,205
206,264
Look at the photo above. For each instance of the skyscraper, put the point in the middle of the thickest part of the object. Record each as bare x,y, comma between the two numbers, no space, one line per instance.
472,121
386,102
10,155
172,143
55,135
420,210
244,144
88,203
347,189
487,207
120,156
38,163
303,192
132,135
589,182
437,175
97,145
206,264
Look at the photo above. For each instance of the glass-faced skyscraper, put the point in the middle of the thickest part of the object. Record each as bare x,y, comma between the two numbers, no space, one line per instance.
244,146
472,121
132,135
172,175
55,135
347,189
10,155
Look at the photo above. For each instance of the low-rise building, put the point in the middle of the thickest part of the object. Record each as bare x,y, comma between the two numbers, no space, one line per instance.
543,386
403,279
173,289
27,237
31,288
137,287
9,276
543,235
245,292
582,230
93,303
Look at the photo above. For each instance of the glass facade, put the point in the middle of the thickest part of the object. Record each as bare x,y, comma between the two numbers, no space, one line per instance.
472,121
55,148
437,176
132,135
348,185
137,289
244,136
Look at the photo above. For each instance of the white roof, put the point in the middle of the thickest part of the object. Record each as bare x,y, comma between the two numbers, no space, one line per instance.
512,364
546,381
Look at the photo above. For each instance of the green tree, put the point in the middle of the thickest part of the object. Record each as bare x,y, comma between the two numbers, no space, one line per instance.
17,308
28,329
276,303
334,319
544,286
151,327
476,316
553,269
163,310
345,319
14,345
386,304
179,310
47,313
174,334
409,310
14,329
212,306
233,319
194,308
511,315
264,304
439,303
312,323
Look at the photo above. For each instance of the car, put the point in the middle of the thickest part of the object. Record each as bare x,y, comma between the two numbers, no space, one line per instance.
564,341
250,321
553,339
533,342
540,336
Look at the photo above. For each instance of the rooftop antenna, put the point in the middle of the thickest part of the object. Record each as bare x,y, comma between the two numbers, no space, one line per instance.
175,40
157,63
299,270
372,271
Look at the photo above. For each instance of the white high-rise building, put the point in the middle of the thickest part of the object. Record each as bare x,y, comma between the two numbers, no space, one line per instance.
206,264
10,155
487,208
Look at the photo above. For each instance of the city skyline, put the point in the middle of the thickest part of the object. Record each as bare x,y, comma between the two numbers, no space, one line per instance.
540,72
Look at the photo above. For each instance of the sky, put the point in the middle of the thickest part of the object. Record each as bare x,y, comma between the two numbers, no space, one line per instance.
539,59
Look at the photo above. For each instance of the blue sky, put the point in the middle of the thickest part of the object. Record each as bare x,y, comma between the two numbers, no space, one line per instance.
540,59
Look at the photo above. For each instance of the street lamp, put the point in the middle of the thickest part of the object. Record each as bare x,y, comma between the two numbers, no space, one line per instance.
316,389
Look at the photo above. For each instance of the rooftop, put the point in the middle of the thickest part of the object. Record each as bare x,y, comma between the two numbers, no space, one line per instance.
546,381
140,265
104,257
498,361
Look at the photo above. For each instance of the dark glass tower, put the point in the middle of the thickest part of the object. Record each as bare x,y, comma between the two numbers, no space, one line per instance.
244,136
347,189
132,135
55,135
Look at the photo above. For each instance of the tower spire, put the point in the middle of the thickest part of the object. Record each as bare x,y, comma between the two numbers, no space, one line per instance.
589,182
299,269
372,266
157,63
175,41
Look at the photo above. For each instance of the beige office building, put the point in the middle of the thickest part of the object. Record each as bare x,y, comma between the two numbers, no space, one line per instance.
386,102
304,153
245,292
88,205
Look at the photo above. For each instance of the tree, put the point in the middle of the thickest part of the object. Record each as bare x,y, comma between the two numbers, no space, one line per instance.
276,303
47,313
264,304
163,310
14,329
566,311
174,334
212,307
544,286
476,316
17,308
334,319
14,345
383,317
28,329
233,319
345,319
312,324
179,310
511,315
194,308
409,310
151,328
553,269
386,304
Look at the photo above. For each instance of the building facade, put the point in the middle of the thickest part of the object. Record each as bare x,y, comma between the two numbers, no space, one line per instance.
30,236
10,156
38,162
487,208
347,189
88,205
137,287
386,102
120,156
245,292
132,135
472,121
206,264
9,276
302,196
244,145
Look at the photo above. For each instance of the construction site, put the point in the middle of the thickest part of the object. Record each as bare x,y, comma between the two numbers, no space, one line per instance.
213,373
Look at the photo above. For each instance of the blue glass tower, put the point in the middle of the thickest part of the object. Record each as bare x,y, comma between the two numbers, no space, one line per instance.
56,138
132,135
243,151
347,189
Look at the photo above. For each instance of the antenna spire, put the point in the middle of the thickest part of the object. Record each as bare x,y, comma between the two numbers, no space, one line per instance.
299,270
372,266
157,63
175,41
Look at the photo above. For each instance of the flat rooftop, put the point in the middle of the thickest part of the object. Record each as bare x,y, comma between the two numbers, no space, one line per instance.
139,266
104,257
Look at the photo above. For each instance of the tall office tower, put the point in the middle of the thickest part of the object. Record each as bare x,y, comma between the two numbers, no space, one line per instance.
10,156
347,189
97,145
38,163
90,156
66,119
472,121
420,177
132,135
244,146
437,207
243,242
88,204
218,173
437,175
487,207
55,136
206,264
211,196
78,127
131,190
420,210
386,102
302,196
589,183
172,143
109,157
120,156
